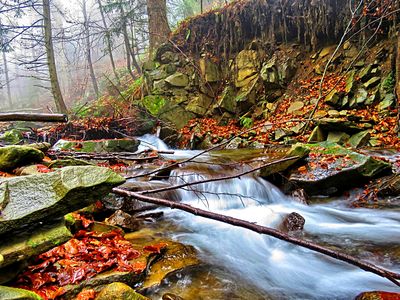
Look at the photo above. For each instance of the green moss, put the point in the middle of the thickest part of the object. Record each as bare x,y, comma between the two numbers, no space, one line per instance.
154,104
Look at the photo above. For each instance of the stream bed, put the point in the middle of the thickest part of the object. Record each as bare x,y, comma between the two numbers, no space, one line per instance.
240,264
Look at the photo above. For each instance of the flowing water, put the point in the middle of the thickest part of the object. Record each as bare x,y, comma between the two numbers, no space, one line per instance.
247,265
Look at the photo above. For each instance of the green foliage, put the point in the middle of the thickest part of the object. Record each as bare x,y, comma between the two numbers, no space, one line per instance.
246,122
154,104
389,82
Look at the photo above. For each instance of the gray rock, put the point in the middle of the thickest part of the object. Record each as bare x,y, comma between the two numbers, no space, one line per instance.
9,293
26,200
374,81
178,79
360,139
338,137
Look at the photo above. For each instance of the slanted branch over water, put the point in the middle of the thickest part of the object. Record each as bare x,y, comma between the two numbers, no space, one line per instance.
392,276
33,117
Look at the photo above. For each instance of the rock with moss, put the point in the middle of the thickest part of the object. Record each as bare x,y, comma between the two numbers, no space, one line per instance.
12,157
297,151
331,168
178,79
68,162
9,293
33,242
119,291
98,146
199,105
360,139
13,136
26,200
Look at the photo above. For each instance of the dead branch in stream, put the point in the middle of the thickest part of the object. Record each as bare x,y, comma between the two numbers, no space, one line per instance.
33,117
178,186
369,267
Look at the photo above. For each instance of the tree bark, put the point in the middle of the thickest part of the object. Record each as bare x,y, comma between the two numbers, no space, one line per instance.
392,276
129,50
397,81
159,30
34,117
88,50
108,40
7,79
48,41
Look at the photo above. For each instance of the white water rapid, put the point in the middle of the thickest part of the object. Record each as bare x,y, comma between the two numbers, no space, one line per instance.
283,270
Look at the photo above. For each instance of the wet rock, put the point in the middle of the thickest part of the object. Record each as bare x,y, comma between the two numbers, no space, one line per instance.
378,295
299,195
389,186
317,135
69,162
176,257
360,139
119,291
228,101
24,246
124,220
338,137
199,105
374,81
26,200
295,150
178,79
9,293
32,170
292,222
41,146
13,136
295,106
331,168
98,146
15,156
170,296
209,70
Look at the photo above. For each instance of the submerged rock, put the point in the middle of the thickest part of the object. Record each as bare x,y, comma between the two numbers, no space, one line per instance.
98,146
26,245
331,168
12,157
9,293
26,200
124,220
292,222
119,291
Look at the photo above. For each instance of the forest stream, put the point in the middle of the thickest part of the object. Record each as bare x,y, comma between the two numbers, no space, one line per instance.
240,264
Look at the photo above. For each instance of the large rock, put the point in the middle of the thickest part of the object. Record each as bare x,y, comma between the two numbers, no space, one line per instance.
9,293
209,70
26,200
15,156
331,168
119,291
199,105
12,136
24,246
98,146
247,64
178,80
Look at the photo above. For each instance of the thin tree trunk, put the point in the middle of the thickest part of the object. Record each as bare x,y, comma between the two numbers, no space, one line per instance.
392,276
7,79
108,40
129,52
88,51
55,86
158,24
397,82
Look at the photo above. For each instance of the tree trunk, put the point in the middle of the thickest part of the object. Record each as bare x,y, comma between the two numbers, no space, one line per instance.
34,117
127,44
88,51
158,24
108,40
55,86
7,79
397,82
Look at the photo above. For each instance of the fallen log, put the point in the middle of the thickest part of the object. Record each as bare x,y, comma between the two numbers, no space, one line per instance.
34,117
392,276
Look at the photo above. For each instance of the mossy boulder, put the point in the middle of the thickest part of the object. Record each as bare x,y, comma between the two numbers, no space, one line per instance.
119,291
9,293
13,136
98,146
332,168
12,157
28,244
178,80
28,199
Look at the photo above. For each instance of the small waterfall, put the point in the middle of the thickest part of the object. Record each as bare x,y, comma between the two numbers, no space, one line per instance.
283,270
